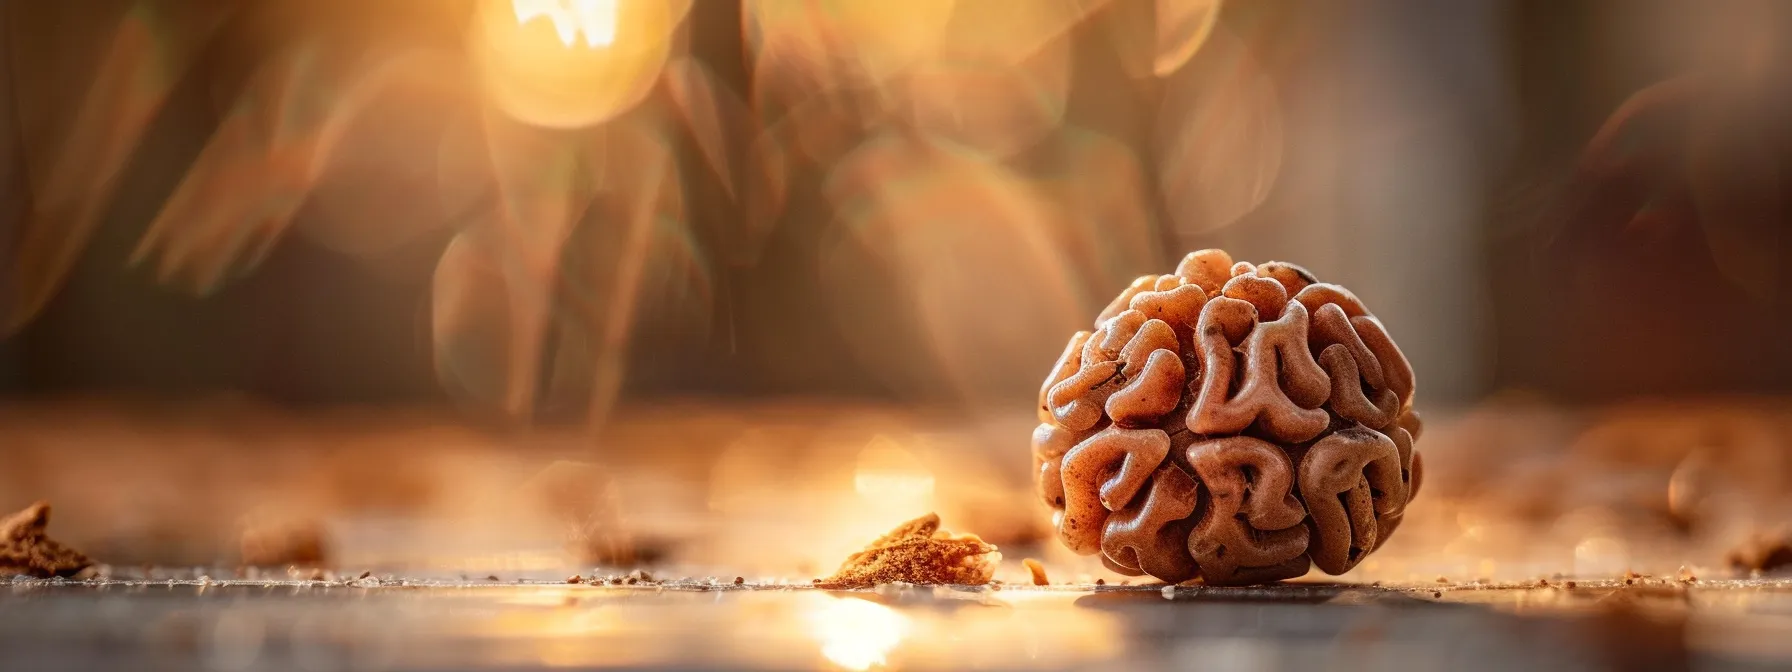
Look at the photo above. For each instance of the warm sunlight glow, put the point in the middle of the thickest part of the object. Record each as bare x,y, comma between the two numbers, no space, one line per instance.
856,634
596,19
888,473
571,63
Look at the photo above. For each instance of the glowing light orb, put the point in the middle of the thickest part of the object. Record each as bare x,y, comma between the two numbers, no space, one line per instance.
571,63
596,19
856,634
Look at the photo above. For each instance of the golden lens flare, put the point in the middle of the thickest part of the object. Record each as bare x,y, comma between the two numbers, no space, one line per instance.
833,45
73,178
1182,27
1221,131
929,231
857,634
571,63
595,19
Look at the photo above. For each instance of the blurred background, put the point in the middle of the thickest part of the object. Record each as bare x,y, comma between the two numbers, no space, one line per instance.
326,246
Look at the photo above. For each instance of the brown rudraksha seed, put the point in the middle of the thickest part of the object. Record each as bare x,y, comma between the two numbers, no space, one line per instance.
1233,422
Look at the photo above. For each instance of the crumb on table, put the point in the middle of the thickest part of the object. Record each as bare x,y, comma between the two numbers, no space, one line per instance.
918,552
26,549
1037,569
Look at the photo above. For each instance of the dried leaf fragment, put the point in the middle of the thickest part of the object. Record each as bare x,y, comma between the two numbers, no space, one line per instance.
918,552
26,549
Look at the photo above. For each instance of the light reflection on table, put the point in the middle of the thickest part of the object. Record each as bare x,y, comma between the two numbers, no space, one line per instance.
240,625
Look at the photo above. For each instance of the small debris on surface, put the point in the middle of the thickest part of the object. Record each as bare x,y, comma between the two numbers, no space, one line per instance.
492,577
575,579
1686,575
26,549
1101,582
1169,592
1634,592
640,574
1437,593
298,573
1442,579
918,552
1037,569
1570,585
740,580
1762,552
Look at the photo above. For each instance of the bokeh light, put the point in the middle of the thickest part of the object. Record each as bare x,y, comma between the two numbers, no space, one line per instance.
531,72
943,229
1182,27
76,157
857,634
1221,135
833,45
